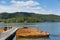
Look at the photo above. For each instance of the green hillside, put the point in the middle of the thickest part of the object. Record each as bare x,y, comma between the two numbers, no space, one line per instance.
20,17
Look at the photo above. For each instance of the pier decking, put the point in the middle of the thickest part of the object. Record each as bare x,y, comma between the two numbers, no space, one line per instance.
5,35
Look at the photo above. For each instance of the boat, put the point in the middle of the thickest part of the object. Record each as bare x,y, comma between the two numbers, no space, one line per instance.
26,32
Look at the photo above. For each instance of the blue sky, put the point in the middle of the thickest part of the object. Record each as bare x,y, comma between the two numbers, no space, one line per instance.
36,6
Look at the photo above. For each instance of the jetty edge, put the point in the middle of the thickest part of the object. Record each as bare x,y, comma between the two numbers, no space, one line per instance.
26,32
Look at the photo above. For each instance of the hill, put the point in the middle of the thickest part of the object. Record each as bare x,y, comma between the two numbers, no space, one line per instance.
28,17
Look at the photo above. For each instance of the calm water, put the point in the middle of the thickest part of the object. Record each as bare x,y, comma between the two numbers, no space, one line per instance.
52,28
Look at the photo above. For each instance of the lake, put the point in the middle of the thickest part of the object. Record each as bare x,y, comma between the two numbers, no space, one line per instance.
51,27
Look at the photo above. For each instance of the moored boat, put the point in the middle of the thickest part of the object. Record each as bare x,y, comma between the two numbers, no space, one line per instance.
30,33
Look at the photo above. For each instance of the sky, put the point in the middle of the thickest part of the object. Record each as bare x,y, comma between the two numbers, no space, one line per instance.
34,6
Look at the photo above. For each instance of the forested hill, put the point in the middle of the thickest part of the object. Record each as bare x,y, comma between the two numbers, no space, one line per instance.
28,17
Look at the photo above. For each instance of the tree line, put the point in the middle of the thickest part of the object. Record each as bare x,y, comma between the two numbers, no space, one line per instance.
21,17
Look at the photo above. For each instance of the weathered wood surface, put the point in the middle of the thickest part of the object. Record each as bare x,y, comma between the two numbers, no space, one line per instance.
30,32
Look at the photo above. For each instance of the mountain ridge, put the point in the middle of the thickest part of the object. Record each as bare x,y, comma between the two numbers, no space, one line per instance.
29,17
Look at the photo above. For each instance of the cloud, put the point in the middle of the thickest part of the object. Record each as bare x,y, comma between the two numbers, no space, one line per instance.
24,6
22,3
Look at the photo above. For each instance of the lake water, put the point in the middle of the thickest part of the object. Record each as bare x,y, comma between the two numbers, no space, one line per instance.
51,27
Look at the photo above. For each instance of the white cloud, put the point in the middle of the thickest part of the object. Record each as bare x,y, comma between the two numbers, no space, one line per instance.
22,3
24,6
